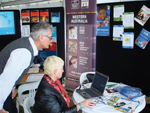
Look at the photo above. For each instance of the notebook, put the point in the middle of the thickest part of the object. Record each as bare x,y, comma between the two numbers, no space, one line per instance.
97,88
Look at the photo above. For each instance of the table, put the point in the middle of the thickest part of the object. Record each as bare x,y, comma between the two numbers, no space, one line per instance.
106,108
24,78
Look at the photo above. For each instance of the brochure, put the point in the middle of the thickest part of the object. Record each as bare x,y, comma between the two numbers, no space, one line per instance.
55,17
35,16
123,104
143,15
118,11
25,16
143,39
117,32
128,20
128,40
44,15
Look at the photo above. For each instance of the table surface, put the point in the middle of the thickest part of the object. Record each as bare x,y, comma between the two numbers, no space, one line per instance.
106,108
24,78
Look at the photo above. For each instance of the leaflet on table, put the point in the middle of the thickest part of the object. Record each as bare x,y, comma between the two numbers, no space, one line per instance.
128,20
111,85
143,15
123,104
128,40
33,70
143,39
118,12
34,77
113,88
117,32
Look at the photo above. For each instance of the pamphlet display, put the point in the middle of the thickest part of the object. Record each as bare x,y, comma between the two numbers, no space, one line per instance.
80,39
126,60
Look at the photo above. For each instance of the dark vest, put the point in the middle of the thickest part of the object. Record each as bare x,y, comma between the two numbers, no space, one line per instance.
5,53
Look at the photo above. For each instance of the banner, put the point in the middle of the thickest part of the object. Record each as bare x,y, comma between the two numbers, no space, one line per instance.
80,39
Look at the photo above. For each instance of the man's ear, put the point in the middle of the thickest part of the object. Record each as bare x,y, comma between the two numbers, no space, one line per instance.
40,37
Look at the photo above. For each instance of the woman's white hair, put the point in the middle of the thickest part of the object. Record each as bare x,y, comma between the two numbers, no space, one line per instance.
51,63
40,28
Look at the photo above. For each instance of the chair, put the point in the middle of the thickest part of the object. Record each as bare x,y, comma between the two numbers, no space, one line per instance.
29,88
28,103
83,77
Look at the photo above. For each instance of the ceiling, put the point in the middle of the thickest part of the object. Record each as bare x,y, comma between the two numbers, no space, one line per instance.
5,3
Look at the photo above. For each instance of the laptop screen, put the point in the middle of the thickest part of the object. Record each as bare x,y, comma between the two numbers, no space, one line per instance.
99,82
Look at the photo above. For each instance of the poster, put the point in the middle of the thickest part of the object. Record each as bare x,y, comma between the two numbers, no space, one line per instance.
55,17
103,20
52,50
44,15
80,39
34,16
25,16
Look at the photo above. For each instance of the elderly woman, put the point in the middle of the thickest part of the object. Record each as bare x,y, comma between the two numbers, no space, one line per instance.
51,96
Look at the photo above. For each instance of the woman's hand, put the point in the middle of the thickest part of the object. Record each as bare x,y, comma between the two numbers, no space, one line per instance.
86,103
36,65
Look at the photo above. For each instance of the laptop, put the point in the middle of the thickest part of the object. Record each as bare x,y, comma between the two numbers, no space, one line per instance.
97,88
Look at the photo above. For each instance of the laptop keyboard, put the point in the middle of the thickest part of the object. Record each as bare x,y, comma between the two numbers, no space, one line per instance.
91,93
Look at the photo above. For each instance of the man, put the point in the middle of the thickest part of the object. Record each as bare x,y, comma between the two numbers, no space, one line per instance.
16,59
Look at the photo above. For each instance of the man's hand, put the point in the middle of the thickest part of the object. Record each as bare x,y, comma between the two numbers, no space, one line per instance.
13,93
3,111
36,65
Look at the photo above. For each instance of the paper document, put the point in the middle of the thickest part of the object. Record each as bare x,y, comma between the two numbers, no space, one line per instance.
123,104
33,70
34,77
